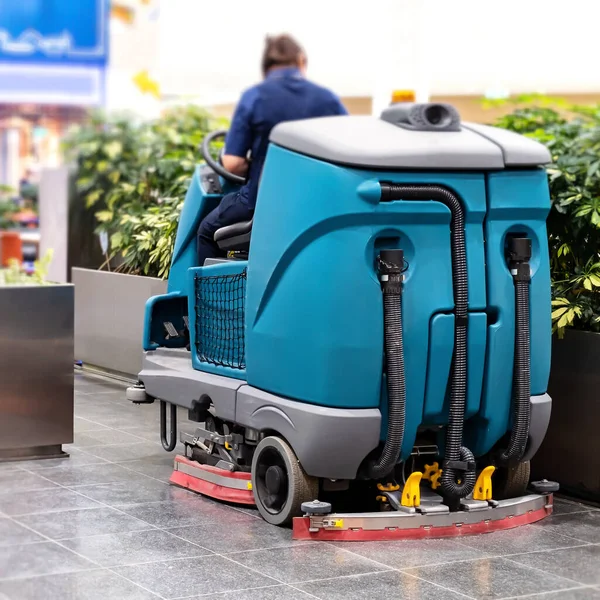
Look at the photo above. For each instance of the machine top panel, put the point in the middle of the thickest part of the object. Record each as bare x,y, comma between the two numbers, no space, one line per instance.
364,141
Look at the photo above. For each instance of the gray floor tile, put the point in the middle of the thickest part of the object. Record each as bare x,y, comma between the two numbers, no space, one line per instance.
122,452
412,553
73,475
157,467
13,533
563,506
39,559
87,585
587,593
111,430
276,592
150,434
45,501
10,465
138,490
578,564
104,437
81,425
189,577
115,420
249,510
491,578
75,458
95,385
22,481
306,562
581,526
520,539
392,585
134,547
247,534
79,523
192,511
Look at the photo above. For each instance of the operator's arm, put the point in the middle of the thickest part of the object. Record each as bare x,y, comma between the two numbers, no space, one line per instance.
239,138
235,164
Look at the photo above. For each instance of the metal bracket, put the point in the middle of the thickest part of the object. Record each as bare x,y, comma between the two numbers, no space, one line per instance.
203,435
472,512
473,505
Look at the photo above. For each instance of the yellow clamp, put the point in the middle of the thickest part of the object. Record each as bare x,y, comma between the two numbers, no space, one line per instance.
228,446
483,487
411,494
381,499
388,487
433,474
435,480
430,471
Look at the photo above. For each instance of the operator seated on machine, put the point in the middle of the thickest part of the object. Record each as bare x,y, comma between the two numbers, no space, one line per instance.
284,95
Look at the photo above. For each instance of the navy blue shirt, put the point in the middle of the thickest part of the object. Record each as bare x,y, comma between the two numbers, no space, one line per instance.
285,95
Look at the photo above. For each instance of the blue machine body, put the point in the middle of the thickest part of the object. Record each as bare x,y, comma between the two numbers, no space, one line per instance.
313,302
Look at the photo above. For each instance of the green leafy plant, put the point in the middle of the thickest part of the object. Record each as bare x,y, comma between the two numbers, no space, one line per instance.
7,207
136,175
572,134
14,274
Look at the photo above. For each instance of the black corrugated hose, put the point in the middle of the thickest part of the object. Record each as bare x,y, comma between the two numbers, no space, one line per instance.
458,475
519,253
391,266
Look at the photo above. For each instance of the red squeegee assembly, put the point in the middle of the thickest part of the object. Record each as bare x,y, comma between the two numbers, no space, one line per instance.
418,523
211,481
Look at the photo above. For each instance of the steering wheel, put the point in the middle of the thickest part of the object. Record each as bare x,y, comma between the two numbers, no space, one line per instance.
216,166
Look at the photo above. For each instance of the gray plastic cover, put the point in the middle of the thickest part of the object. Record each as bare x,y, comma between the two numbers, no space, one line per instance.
517,150
364,141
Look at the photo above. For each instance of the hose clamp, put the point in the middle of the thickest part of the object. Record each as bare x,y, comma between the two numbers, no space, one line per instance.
521,272
459,465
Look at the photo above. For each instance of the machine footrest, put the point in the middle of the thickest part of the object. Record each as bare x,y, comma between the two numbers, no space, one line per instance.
211,481
360,527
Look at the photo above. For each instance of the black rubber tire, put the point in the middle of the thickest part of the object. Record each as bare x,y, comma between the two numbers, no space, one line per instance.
511,482
301,488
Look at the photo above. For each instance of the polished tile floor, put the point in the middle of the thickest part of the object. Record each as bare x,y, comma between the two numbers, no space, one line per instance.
105,525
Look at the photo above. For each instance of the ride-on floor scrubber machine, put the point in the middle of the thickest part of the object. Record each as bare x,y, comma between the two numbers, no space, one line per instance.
384,336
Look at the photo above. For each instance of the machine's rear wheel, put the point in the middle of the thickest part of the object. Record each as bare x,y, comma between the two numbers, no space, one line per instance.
511,482
280,485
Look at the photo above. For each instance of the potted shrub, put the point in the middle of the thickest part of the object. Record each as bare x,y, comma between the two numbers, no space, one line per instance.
134,177
571,451
36,364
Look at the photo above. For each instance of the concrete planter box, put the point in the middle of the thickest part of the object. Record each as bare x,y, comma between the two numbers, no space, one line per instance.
570,453
36,370
109,318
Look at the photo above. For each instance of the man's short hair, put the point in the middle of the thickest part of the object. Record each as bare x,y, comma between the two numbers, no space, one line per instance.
281,51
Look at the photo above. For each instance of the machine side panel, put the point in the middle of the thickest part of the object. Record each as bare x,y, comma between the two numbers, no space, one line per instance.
518,203
314,305
159,309
318,435
196,206
441,346
476,344
167,374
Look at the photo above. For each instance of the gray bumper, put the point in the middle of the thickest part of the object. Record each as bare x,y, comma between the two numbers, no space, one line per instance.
329,442
541,409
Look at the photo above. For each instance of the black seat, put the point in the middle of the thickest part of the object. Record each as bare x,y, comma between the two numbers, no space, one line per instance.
234,237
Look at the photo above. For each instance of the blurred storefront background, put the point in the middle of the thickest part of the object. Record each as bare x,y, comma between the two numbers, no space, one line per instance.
55,62
53,58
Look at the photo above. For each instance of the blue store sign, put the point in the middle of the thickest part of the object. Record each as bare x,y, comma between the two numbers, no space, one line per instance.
61,32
